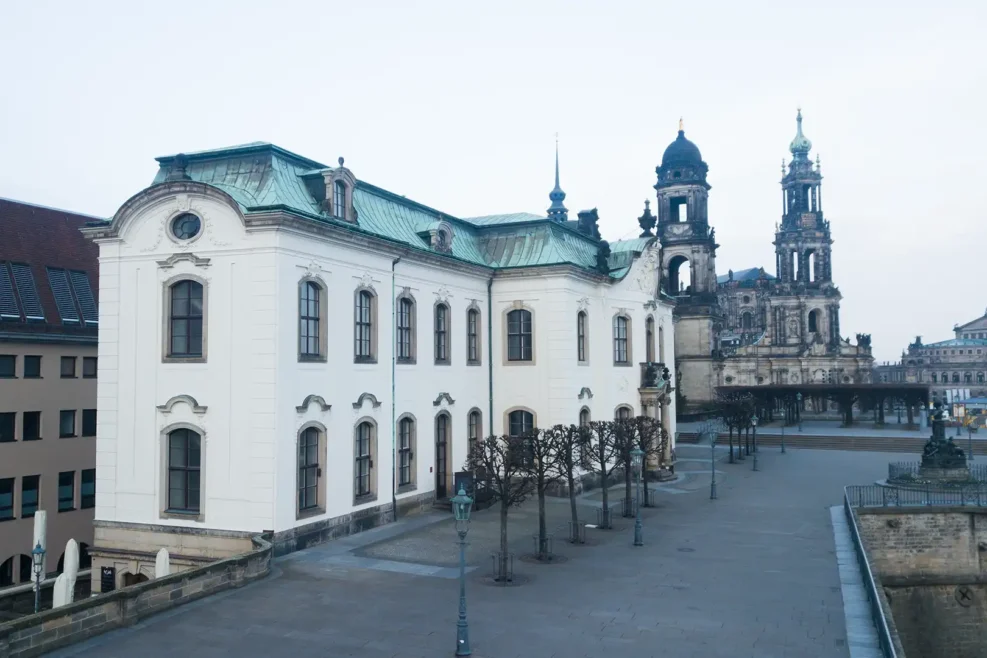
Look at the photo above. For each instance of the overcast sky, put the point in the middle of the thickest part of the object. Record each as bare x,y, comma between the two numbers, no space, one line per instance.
456,105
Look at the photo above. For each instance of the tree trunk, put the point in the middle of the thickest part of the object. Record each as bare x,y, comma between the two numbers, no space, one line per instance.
731,444
606,508
502,575
911,417
572,508
644,484
628,501
542,531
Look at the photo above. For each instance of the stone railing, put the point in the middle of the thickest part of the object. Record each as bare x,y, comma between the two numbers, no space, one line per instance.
18,600
37,634
887,633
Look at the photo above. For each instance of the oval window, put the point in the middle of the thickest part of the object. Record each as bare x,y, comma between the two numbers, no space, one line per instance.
186,226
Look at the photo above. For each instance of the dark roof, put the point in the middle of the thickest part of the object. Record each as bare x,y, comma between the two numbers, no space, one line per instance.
750,274
681,152
49,274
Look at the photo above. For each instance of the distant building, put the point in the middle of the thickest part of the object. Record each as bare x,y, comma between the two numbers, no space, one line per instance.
750,327
48,367
289,348
955,368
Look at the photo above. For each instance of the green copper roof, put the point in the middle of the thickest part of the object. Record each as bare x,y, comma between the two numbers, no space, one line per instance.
261,177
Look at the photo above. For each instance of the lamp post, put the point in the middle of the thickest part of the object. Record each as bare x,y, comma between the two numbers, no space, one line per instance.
798,409
783,423
637,458
754,439
713,435
38,560
461,506
969,435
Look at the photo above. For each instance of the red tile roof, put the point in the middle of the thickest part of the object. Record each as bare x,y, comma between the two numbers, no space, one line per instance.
46,237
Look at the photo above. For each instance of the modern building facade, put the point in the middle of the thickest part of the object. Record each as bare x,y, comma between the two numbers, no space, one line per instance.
287,348
48,368
955,369
751,327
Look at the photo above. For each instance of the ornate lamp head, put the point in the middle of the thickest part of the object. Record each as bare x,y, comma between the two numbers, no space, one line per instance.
461,507
38,557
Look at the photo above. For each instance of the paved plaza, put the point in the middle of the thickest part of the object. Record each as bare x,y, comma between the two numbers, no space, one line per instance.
752,574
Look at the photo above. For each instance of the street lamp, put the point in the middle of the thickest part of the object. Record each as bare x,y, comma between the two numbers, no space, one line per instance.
38,559
713,435
969,435
754,439
798,409
783,423
461,506
637,458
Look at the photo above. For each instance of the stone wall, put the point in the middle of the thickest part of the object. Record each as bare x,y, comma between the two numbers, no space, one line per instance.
931,564
18,601
37,634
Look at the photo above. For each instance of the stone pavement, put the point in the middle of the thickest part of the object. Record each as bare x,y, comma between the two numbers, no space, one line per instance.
753,573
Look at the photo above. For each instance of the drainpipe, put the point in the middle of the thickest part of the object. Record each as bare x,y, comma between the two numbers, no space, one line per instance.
490,354
394,450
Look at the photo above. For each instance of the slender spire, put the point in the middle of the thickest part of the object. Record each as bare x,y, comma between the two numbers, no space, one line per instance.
557,211
681,125
801,145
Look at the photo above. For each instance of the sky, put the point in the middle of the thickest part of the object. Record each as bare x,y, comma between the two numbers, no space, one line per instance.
457,104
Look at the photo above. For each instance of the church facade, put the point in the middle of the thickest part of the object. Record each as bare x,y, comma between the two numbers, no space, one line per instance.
285,347
750,327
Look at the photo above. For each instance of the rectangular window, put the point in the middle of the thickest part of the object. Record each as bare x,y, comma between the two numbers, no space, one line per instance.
6,499
32,367
88,488
363,349
308,469
620,340
89,367
30,485
405,312
309,319
8,365
404,475
68,366
31,430
66,491
88,422
519,335
581,337
441,334
364,434
7,421
473,336
184,462
66,423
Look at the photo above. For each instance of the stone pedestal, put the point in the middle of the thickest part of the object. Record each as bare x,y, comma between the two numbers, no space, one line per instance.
960,474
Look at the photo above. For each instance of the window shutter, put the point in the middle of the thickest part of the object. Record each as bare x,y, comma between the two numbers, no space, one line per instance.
27,292
80,284
63,295
8,304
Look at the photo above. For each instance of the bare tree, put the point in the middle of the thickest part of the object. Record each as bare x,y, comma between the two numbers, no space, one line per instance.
624,444
541,456
652,439
500,462
604,458
571,445
735,410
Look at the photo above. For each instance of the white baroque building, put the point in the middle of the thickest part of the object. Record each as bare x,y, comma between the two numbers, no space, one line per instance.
286,348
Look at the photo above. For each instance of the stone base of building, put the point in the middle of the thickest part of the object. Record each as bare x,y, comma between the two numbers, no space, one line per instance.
130,549
946,474
325,530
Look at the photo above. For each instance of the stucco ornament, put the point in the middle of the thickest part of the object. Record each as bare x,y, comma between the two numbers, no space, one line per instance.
314,270
649,272
583,303
367,281
442,294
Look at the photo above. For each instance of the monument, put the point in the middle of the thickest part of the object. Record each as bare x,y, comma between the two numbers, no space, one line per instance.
941,458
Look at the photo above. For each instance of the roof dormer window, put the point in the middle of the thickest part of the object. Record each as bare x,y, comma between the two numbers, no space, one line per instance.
340,185
339,199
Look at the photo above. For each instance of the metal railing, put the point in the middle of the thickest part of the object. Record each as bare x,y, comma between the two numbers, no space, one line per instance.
884,636
873,495
913,471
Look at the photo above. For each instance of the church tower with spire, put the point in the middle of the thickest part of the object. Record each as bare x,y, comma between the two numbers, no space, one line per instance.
557,212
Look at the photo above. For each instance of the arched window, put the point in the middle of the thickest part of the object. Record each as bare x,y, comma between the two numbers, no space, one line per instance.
85,559
339,199
747,321
185,322
620,344
363,482
26,565
520,423
442,441
308,311
364,312
472,337
7,572
406,329
184,460
623,413
406,443
956,378
980,378
679,276
584,417
473,430
814,320
945,377
519,335
441,333
309,469
661,344
581,336
934,378
649,339
967,378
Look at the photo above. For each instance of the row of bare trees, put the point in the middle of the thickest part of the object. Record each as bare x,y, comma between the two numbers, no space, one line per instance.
510,469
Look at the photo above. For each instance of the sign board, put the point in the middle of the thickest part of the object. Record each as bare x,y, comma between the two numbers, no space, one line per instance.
463,479
107,579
